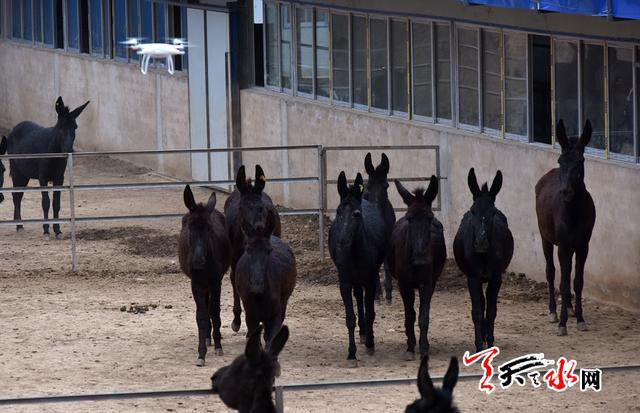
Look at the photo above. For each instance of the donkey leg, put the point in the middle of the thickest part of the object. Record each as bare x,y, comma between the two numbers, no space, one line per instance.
378,289
370,316
477,309
56,208
362,322
46,202
408,299
547,249
578,283
237,310
493,288
388,282
214,314
18,182
203,321
423,318
564,256
347,300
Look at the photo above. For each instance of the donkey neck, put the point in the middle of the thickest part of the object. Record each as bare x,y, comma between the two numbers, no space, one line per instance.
54,144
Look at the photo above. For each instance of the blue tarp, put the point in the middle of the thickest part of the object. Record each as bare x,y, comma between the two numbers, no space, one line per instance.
624,9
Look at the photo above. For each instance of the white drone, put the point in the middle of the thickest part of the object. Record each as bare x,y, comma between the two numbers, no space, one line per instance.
157,50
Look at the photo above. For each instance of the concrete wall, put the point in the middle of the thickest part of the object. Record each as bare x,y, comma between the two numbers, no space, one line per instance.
611,272
128,111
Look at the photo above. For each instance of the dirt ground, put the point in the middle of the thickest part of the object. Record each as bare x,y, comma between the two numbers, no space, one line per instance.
65,333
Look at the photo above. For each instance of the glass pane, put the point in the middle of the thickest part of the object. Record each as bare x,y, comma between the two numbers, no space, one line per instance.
492,116
146,27
16,19
160,11
443,71
541,88
96,26
133,24
515,49
621,97
360,61
379,65
304,49
566,83
468,76
120,31
285,45
340,54
593,92
421,42
271,33
183,28
47,23
322,54
37,20
399,66
72,24
27,20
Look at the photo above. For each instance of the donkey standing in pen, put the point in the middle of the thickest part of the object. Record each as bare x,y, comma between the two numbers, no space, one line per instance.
435,400
204,253
247,203
416,258
357,247
566,215
28,137
375,191
3,150
247,383
483,248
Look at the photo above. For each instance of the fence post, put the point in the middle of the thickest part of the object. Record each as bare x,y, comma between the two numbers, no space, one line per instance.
321,202
279,399
72,213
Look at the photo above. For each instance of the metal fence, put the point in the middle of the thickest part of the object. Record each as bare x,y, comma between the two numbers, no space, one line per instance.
320,179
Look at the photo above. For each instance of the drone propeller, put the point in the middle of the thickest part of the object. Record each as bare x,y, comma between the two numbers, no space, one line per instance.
132,41
176,41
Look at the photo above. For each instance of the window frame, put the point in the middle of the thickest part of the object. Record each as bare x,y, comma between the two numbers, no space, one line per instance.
113,49
292,54
528,138
600,153
478,29
276,5
405,114
294,51
332,100
494,133
386,19
315,54
354,105
453,74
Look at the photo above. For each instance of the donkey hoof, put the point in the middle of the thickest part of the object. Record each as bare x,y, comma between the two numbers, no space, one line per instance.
409,356
553,317
59,236
582,326
200,362
46,237
235,326
371,351
207,341
363,338
20,229
562,331
219,352
352,364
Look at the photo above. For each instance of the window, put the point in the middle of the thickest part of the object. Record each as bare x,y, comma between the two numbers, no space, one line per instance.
541,88
16,19
285,46
134,24
515,67
468,111
304,50
421,58
95,16
566,85
400,100
73,39
379,64
37,21
323,86
621,98
593,92
160,11
27,20
360,83
340,57
119,28
491,81
146,22
443,71
47,22
271,40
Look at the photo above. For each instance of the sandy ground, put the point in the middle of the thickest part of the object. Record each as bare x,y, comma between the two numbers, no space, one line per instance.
65,333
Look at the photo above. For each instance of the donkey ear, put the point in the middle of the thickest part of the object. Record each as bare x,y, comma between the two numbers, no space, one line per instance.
359,184
59,106
561,134
451,377
404,193
432,191
343,189
211,203
77,111
425,385
368,166
270,225
241,180
278,342
472,181
384,165
253,350
189,200
496,185
260,179
586,135
3,145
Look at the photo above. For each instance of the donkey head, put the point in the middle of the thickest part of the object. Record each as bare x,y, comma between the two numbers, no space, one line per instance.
252,207
572,160
377,184
419,217
67,124
245,385
3,150
435,400
483,210
196,228
349,213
